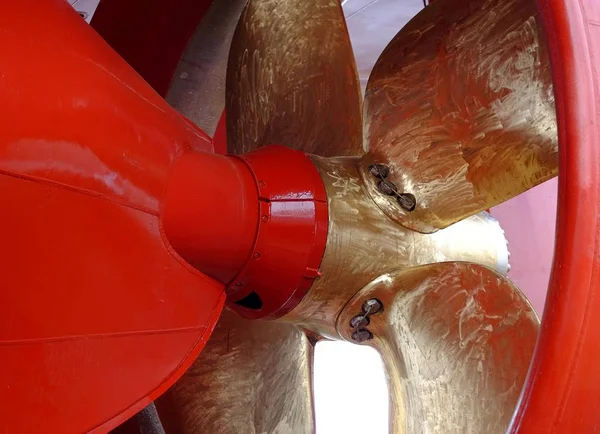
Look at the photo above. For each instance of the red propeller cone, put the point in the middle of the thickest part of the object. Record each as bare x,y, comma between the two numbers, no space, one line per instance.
98,314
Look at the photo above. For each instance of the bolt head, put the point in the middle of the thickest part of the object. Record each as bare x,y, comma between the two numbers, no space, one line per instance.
359,321
386,187
362,335
379,170
407,201
372,307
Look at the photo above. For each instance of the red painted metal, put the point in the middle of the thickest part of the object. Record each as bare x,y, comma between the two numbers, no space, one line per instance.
98,314
220,136
562,389
189,223
94,298
211,213
151,35
257,222
292,232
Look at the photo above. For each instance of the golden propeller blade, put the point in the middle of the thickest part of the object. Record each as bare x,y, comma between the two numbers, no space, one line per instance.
456,339
252,377
460,106
291,79
256,376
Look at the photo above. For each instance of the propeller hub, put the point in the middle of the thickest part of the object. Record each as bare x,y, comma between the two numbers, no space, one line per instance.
256,222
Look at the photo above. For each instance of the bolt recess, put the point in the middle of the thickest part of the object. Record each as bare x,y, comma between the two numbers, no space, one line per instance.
379,170
407,201
372,307
359,321
386,187
362,335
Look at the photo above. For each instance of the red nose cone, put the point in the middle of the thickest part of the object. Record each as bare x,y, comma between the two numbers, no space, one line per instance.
211,213
257,222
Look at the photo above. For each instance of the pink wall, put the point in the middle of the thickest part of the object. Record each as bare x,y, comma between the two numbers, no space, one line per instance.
529,221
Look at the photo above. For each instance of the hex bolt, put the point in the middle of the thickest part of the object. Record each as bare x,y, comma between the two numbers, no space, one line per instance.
362,335
407,201
359,321
379,170
386,187
372,307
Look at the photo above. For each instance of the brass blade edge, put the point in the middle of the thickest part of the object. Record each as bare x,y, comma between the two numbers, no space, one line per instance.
460,106
362,244
292,80
252,376
456,340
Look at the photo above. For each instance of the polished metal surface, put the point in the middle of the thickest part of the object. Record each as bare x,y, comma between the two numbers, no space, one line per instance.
456,339
460,105
291,80
461,127
255,374
362,244
252,377
198,87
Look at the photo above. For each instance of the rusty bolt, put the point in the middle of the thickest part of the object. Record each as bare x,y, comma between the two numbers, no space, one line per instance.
362,335
372,307
256,255
359,321
379,170
407,201
386,187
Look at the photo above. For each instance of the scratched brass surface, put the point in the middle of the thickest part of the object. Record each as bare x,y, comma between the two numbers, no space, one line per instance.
252,377
456,340
461,106
291,79
362,244
464,116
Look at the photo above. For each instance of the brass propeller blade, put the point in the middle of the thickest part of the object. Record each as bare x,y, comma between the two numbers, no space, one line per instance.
456,339
460,105
252,377
291,80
